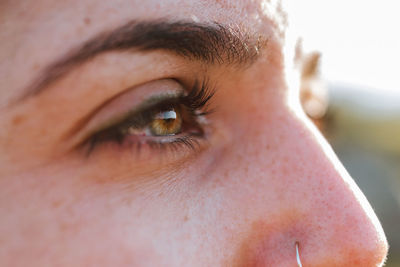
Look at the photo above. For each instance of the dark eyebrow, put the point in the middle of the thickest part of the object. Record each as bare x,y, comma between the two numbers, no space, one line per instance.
209,43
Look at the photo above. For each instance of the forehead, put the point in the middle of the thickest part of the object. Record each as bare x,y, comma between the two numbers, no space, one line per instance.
107,13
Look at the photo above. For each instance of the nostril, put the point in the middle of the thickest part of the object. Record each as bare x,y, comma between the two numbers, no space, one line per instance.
298,255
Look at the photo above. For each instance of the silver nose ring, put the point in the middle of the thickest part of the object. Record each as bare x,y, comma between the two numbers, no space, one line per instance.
298,255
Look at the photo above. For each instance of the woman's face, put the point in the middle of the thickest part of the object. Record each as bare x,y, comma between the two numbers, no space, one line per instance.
110,156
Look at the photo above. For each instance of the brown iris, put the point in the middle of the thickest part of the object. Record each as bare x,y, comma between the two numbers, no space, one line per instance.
167,122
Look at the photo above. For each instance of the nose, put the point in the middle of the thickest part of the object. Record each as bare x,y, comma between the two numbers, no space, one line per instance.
337,226
300,193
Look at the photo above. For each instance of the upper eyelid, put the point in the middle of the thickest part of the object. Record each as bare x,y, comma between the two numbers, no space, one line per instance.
195,99
143,111
143,115
122,104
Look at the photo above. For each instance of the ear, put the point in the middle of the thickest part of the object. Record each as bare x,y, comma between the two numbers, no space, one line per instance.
313,91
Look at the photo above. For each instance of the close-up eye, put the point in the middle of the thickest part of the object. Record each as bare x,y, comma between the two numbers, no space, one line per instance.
180,133
166,117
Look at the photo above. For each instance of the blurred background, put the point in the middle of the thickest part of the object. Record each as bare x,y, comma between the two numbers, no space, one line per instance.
359,112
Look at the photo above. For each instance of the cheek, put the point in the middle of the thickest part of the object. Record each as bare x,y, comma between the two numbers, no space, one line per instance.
265,156
68,223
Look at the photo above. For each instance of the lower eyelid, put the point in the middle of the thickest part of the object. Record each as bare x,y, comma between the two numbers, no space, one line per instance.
146,147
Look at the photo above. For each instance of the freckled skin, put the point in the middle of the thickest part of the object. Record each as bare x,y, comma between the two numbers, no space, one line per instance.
263,181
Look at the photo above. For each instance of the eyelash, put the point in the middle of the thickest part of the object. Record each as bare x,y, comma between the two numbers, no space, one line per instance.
195,104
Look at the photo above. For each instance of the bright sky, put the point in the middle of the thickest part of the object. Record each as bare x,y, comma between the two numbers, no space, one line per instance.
359,39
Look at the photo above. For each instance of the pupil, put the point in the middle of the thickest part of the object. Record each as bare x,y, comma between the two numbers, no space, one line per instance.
167,122
168,115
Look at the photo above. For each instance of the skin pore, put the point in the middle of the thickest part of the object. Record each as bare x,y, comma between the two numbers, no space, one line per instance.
258,179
